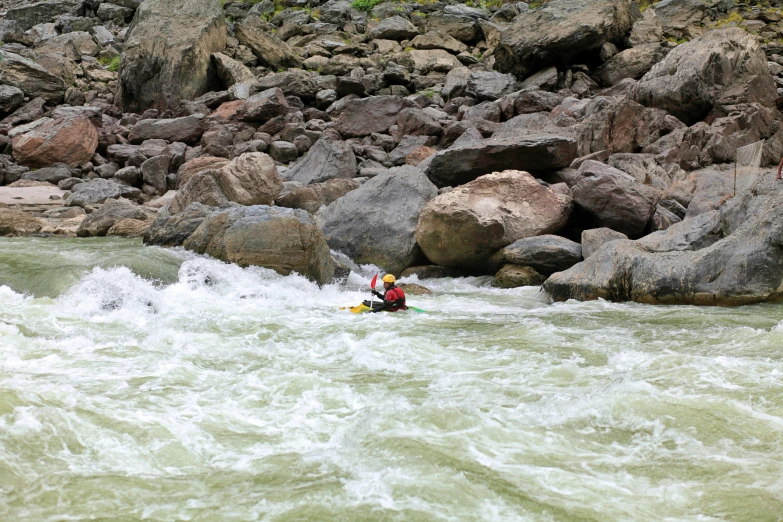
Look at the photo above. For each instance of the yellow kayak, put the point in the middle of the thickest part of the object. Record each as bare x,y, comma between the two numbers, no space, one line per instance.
363,308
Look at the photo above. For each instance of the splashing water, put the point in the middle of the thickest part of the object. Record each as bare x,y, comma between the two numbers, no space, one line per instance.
141,383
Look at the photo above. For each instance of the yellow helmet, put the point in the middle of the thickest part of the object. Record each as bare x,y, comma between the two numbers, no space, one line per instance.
388,278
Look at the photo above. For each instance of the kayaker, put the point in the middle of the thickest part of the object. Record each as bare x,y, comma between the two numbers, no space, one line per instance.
393,296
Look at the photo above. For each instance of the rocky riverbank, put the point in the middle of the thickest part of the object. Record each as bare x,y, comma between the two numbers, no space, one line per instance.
428,138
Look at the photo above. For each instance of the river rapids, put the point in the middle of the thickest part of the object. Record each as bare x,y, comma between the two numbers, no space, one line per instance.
149,384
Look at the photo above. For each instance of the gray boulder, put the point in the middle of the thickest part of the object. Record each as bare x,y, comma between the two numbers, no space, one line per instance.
595,238
631,63
11,98
614,199
170,230
326,160
54,174
680,18
490,85
376,223
270,50
312,197
27,16
416,122
282,239
535,152
98,191
364,116
561,30
546,254
102,220
187,129
393,28
722,68
30,78
166,56
514,276
740,265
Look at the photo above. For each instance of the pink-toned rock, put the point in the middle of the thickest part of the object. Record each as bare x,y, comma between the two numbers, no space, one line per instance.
464,227
418,155
200,164
70,140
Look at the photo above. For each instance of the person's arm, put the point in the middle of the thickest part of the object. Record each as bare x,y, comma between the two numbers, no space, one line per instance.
384,306
377,293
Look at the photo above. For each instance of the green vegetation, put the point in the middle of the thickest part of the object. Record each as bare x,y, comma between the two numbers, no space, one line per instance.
365,5
114,64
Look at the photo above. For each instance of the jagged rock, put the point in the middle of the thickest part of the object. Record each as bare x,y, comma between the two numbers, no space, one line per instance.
69,140
97,191
80,40
285,240
203,188
154,172
663,218
721,68
458,165
418,155
264,106
393,28
251,179
283,151
327,159
710,189
187,129
27,16
292,83
17,223
490,85
646,30
200,164
679,18
172,230
433,40
545,79
513,276
129,228
54,174
465,29
312,197
456,82
272,51
407,145
546,254
31,78
561,30
231,71
737,264
99,222
436,60
11,98
465,226
376,223
595,238
362,117
416,122
166,57
631,63
116,13
614,199
534,100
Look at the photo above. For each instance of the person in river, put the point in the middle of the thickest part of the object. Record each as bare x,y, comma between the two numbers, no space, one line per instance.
393,296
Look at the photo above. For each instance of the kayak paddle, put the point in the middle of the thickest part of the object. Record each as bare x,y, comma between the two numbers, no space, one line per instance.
372,289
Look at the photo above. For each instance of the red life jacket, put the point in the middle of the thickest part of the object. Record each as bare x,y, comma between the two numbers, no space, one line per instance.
392,295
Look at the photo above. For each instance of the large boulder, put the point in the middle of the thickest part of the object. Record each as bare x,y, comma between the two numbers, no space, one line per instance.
197,165
11,98
283,239
273,52
546,254
534,152
364,116
31,78
514,276
631,63
97,191
187,129
172,230
28,16
251,179
312,197
101,221
680,18
595,238
465,226
561,30
393,28
231,71
614,199
490,85
327,159
720,69
17,223
376,223
166,57
726,257
71,140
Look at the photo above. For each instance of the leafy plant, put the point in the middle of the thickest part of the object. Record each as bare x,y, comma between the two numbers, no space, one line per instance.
365,5
114,64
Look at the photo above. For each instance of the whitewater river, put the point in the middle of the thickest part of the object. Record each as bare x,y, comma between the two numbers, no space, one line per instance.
149,384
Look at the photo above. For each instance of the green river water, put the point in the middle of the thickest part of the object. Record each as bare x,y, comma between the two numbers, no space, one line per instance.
147,384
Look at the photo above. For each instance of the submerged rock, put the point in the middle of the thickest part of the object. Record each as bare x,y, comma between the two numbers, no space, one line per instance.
514,276
546,254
